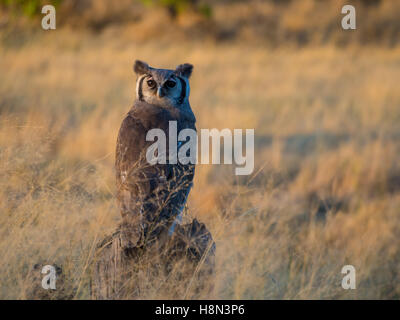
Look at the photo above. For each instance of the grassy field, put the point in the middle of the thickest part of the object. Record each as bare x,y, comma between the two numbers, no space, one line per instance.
325,191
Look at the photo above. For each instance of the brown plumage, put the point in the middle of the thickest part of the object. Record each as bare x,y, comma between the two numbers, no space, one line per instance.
150,197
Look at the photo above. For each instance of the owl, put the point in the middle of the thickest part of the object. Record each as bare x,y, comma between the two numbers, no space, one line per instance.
151,197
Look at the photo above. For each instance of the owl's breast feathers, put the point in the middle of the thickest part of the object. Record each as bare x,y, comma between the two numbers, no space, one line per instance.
156,189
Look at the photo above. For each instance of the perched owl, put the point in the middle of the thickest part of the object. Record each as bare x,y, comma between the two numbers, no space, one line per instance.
151,197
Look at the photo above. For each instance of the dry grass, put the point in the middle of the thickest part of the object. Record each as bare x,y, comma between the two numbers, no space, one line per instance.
270,22
325,192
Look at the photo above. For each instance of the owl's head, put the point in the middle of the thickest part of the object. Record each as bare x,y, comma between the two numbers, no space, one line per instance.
163,86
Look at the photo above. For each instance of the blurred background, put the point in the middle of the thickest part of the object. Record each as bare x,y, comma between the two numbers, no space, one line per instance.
324,103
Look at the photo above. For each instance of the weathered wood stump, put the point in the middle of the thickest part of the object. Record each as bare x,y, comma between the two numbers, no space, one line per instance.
180,266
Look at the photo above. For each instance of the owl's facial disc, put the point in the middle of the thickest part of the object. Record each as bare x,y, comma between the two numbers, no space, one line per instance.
162,89
163,86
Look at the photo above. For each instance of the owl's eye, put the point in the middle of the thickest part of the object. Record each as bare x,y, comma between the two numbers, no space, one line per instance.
151,83
170,84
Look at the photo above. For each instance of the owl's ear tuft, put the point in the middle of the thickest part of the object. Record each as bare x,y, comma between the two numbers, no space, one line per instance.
184,70
140,67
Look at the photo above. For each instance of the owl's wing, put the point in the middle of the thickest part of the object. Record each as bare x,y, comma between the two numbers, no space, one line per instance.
135,177
129,145
148,194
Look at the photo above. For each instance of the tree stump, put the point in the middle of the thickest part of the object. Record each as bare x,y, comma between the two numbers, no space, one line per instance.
179,267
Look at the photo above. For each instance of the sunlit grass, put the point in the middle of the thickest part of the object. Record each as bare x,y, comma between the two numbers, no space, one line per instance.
325,191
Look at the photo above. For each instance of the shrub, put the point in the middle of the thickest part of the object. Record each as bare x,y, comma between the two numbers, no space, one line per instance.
29,8
176,7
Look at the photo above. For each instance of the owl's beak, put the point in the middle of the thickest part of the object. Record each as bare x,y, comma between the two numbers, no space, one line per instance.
160,92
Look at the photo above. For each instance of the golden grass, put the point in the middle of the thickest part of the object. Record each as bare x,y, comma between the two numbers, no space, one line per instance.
325,192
